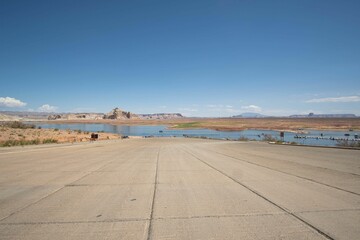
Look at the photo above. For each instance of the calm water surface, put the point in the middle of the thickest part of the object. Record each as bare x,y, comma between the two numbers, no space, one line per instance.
162,131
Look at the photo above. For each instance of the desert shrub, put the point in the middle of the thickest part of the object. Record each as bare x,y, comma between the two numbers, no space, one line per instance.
56,129
49,140
17,124
242,138
188,125
21,142
269,138
348,143
34,141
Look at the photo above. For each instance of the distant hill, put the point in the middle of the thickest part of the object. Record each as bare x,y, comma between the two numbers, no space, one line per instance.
4,117
120,114
76,116
160,116
312,115
115,114
250,115
24,115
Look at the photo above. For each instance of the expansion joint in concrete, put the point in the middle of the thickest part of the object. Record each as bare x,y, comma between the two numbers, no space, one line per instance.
290,174
154,196
263,197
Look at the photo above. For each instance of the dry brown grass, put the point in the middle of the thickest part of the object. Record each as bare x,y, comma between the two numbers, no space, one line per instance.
44,135
279,124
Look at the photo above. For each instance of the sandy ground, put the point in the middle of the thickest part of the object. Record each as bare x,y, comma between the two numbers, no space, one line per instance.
174,188
61,136
232,124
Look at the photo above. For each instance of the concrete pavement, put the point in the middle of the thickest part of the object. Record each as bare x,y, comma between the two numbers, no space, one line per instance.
174,188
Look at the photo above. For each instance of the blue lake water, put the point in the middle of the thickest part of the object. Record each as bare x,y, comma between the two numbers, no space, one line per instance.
162,131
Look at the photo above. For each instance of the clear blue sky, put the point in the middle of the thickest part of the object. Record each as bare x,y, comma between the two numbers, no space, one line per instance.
200,58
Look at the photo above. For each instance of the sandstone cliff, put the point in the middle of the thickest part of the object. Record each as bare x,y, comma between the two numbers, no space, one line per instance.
117,113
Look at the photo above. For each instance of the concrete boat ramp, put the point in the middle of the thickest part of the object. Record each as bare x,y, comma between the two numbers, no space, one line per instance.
177,188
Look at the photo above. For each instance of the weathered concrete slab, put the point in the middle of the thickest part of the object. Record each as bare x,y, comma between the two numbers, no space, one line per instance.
331,171
341,224
208,200
36,178
89,203
234,228
175,188
189,178
76,231
290,192
13,198
118,178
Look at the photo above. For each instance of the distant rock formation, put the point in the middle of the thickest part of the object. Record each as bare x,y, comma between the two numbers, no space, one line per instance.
312,115
250,115
6,118
54,117
119,114
76,116
25,115
160,116
115,114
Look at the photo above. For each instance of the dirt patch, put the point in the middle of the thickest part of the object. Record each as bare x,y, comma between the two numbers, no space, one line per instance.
48,135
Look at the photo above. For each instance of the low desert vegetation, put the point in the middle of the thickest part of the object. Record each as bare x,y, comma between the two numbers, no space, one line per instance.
23,142
188,125
19,134
17,124
49,140
269,138
292,124
348,143
244,139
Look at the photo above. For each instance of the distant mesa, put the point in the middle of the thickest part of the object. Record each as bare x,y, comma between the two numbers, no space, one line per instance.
160,116
123,115
310,115
119,114
250,115
76,116
313,115
115,114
